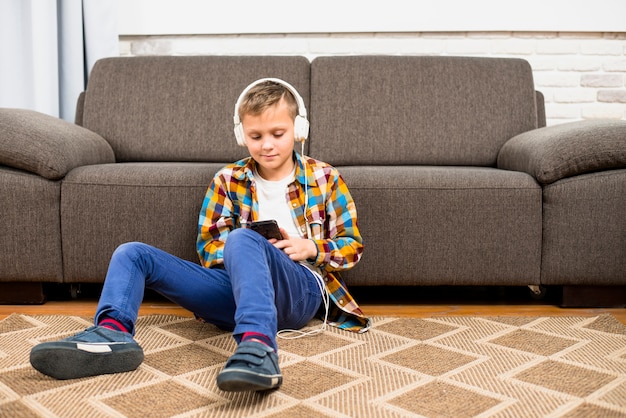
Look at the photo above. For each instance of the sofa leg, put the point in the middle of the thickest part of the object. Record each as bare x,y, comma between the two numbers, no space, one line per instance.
21,293
594,297
75,290
537,292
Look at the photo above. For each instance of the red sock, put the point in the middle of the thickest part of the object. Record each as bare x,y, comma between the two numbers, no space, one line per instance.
113,324
247,336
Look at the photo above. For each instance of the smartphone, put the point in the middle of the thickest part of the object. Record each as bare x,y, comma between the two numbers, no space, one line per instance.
269,229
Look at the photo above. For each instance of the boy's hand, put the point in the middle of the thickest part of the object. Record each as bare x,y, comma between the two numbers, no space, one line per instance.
298,249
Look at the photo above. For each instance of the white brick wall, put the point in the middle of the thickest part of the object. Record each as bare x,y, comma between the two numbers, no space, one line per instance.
582,75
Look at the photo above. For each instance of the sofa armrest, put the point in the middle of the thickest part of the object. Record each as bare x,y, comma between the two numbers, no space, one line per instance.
566,150
48,146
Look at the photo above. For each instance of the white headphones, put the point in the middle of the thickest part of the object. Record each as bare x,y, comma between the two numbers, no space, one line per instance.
301,124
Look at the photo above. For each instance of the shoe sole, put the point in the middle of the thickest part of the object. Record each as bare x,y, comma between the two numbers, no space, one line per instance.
65,360
245,381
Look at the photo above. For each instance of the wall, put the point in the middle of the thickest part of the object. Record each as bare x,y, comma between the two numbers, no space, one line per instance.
582,75
189,17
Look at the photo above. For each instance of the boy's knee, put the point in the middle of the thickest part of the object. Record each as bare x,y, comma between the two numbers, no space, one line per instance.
240,237
129,249
241,234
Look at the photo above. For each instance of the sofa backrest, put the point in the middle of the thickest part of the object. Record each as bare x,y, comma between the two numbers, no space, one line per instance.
165,108
396,110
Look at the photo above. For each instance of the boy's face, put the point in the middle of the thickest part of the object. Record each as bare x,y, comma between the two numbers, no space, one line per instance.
270,140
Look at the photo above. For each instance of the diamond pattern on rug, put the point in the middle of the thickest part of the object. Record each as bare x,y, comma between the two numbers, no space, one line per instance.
606,323
183,359
430,360
447,366
15,323
566,378
589,411
167,398
534,342
299,411
192,330
314,345
517,321
417,329
439,399
308,379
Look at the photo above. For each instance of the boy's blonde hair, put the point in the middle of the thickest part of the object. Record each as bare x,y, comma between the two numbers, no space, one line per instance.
265,95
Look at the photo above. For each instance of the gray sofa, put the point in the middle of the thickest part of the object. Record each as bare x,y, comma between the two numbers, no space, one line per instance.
456,178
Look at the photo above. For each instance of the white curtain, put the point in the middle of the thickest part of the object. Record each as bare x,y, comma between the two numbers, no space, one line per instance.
47,49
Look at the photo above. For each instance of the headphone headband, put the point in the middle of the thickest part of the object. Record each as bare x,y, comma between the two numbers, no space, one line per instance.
301,124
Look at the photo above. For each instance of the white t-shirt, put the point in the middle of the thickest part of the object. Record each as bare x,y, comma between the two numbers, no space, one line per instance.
273,204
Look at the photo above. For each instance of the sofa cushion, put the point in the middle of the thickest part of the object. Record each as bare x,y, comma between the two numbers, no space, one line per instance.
106,205
46,145
426,225
165,108
396,110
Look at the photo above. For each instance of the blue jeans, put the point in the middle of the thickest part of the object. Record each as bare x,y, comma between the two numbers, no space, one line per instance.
259,289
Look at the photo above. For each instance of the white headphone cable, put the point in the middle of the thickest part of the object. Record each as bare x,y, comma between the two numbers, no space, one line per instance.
292,334
306,190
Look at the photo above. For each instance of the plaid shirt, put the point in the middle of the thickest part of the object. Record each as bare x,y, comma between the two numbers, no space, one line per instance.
231,202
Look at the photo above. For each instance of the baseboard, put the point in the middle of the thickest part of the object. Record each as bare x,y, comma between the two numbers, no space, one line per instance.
22,293
593,297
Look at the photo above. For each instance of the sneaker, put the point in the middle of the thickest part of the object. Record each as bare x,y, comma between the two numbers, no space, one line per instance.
95,351
253,367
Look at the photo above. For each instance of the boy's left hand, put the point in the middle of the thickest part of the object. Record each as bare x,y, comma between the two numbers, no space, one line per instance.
298,249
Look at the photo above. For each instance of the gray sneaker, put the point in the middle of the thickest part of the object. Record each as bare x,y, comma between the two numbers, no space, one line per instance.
94,351
253,367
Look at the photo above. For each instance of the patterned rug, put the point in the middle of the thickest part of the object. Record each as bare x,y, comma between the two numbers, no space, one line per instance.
436,367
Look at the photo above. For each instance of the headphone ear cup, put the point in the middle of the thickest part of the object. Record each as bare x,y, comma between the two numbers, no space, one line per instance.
239,135
301,128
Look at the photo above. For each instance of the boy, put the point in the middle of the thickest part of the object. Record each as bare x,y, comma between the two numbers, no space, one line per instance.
247,284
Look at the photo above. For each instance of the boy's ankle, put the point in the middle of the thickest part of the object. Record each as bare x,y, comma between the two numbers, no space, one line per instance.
256,337
112,324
